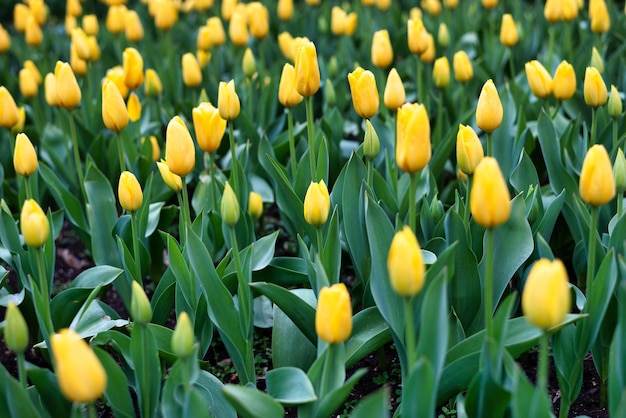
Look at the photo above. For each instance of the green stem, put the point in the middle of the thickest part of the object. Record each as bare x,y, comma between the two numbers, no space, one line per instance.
370,173
412,188
466,210
614,134
43,282
550,45
439,118
564,408
318,233
21,367
410,333
120,151
182,222
420,86
556,109
620,204
77,162
591,256
323,389
292,145
250,100
133,225
489,284
91,410
213,182
29,191
309,123
186,204
233,157
511,65
594,124
489,144
243,290
542,368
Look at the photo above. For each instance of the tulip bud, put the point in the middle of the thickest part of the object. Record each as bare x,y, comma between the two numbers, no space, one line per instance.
229,206
182,337
33,33
50,88
596,60
338,19
364,92
34,224
382,52
564,81
24,157
600,20
553,10
546,298
371,143
508,31
209,126
74,8
316,204
90,24
450,4
463,70
405,264
192,74
156,149
180,152
330,97
539,79
78,65
333,67
615,103
173,181
619,171
19,126
8,109
114,112
218,36
249,63
469,150
441,72
285,9
153,86
429,55
594,88
80,43
489,111
490,202
133,29
21,12
288,95
307,70
333,317
238,28
597,183
129,192
417,36
140,309
394,95
67,87
116,18
5,40
255,205
166,15
94,48
28,84
80,374
413,149
15,329
258,18
134,107
133,68
489,4
228,100
570,10
383,4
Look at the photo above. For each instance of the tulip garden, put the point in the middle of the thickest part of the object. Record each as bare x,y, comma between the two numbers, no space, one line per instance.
296,190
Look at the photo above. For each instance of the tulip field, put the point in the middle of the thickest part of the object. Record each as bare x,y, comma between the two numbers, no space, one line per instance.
299,189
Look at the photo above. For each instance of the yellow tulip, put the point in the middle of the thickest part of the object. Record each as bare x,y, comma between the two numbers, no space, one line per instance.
203,40
134,107
180,152
429,55
463,70
19,126
433,7
78,65
90,24
5,40
81,44
218,36
192,73
365,97
490,202
508,31
312,3
28,84
229,206
316,204
413,150
80,374
333,317
594,88
441,72
116,75
116,18
564,81
539,79
114,111
489,110
133,27
307,70
286,46
382,52
238,28
8,109
288,95
33,32
570,10
258,19
183,337
129,192
15,329
417,36
34,70
21,12
70,24
284,9
39,10
133,68
34,224
248,63
489,4
469,150
156,149
546,298
351,22
450,4
67,87
228,9
383,4
152,86
140,308
597,184
255,205
50,88
173,181
94,48
553,10
228,100
615,103
209,126
338,20
24,156
166,15
405,264
443,35
394,95
600,20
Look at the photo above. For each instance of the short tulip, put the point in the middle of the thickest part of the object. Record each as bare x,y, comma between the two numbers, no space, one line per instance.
114,111
469,150
417,36
33,33
600,20
597,183
24,156
508,31
216,28
34,224
288,95
180,152
316,204
28,84
129,192
284,9
255,205
173,181
67,87
133,27
140,308
382,52
441,72
490,201
546,298
228,101
463,70
192,74
405,264
8,109
413,150
564,81
258,19
394,95
333,317
133,68
489,110
50,88
229,206
116,17
594,88
166,15
15,329
90,24
152,86
539,79
365,97
183,337
5,40
307,70
614,103
238,28
209,126
428,56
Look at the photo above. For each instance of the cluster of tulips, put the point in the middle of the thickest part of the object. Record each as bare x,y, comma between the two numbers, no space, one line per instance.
413,198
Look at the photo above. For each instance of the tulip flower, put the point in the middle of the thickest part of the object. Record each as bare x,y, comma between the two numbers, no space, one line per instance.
94,48
570,10
152,86
288,95
129,192
333,317
133,29
15,329
34,224
307,70
28,84
316,204
600,20
248,63
81,44
90,24
24,156
429,55
413,150
365,97
182,337
258,19
394,95
218,36
286,46
180,152
443,35
228,9
21,12
238,28
338,18
508,31
489,110
490,202
596,60
133,68
33,33
382,52
114,111
209,126
463,70
553,10
539,79
405,264
284,9
228,100
116,18
50,88
489,4
78,65
255,205
203,40
140,308
192,74
594,88
67,87
21,119
546,298
173,181
614,103
619,172
166,15
597,183
417,36
8,109
5,40
564,81
469,150
441,72
229,207
80,374
371,142
351,22
134,107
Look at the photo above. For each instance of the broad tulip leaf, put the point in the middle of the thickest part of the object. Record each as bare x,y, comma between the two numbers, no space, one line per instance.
375,405
369,333
252,403
617,361
147,369
419,389
335,398
47,386
65,199
116,393
284,271
97,275
289,386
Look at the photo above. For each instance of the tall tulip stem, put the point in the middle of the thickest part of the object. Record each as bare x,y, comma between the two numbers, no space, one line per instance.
412,187
550,45
489,284
594,126
420,86
243,290
120,151
489,144
542,367
410,333
213,182
21,367
133,226
45,293
620,204
511,66
233,157
91,410
614,134
309,122
318,232
292,145
29,191
466,210
77,162
591,256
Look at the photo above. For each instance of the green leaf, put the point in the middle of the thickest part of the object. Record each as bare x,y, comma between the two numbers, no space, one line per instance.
336,397
18,403
289,386
418,389
263,251
284,271
47,387
252,403
147,369
369,333
95,320
94,276
185,283
331,252
210,388
375,405
116,393
617,360
65,199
